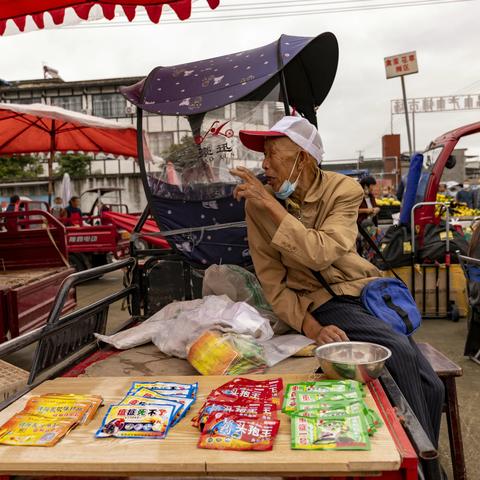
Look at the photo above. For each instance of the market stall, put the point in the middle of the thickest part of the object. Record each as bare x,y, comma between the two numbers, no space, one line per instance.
80,453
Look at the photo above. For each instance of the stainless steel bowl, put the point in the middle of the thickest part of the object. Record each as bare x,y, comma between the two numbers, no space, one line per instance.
361,361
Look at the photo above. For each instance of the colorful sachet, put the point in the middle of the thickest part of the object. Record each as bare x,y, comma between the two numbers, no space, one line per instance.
330,415
239,407
240,415
148,410
336,390
47,418
226,431
167,388
252,390
128,421
330,433
26,429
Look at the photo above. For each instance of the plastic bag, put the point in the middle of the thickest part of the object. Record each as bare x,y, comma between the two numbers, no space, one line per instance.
240,285
179,324
217,353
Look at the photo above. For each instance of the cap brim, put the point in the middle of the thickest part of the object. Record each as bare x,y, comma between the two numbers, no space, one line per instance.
255,140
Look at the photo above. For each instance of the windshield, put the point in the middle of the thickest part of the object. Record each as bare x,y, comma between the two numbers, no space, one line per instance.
431,156
198,152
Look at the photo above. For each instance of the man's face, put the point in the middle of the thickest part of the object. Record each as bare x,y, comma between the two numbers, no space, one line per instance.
58,201
76,203
280,155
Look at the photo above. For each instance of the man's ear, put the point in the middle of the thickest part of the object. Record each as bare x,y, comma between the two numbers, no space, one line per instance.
302,160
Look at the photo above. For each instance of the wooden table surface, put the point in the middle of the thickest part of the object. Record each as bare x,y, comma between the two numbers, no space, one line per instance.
79,453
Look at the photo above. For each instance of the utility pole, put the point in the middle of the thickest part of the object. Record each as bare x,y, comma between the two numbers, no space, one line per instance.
360,158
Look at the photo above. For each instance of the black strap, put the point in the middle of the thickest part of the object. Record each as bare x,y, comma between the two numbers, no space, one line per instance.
370,241
399,311
324,283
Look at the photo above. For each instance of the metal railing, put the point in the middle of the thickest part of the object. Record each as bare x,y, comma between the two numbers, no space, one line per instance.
65,338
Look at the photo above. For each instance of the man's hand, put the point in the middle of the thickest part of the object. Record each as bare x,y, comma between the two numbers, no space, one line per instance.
330,334
252,189
376,210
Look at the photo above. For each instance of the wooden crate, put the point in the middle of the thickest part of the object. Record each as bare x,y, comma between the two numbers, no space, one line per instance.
12,380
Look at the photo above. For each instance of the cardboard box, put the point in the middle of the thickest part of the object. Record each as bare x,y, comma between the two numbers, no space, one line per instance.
458,288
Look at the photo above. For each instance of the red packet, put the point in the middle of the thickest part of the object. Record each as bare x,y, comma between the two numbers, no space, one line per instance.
232,432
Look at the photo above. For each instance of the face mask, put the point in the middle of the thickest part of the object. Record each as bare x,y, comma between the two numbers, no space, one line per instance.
288,187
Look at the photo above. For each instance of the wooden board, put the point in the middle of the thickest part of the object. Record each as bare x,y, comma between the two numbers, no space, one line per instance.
79,453
18,278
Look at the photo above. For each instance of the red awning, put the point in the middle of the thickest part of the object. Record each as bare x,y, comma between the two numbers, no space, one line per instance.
19,10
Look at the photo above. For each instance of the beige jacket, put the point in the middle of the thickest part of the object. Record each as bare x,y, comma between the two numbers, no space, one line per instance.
321,236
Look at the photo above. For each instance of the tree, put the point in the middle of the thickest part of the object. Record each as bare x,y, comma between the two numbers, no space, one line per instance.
184,154
75,164
20,166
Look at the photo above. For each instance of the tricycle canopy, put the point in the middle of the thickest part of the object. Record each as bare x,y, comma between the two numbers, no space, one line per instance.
309,65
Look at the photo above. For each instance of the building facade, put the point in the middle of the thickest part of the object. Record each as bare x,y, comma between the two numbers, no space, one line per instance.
102,98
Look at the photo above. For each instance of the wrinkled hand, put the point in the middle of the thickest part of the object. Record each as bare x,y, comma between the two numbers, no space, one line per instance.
252,189
330,334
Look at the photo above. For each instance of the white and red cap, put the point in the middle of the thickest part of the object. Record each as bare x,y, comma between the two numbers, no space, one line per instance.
298,129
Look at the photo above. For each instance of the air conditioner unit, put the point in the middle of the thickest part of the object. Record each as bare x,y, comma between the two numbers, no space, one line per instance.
130,110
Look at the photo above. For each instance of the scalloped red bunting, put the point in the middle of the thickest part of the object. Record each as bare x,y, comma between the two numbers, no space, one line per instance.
56,8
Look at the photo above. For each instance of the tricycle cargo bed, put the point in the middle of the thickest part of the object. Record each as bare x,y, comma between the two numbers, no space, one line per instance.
19,278
28,297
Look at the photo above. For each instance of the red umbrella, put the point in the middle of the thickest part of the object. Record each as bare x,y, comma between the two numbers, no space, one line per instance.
40,128
19,10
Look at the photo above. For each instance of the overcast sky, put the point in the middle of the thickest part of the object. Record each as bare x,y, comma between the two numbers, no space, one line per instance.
357,111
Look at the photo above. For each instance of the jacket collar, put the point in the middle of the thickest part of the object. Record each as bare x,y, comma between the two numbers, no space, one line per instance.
315,191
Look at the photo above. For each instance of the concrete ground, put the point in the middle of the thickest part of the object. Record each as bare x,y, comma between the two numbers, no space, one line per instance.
444,335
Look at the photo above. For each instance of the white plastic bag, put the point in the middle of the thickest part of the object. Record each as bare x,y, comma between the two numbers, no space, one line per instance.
180,323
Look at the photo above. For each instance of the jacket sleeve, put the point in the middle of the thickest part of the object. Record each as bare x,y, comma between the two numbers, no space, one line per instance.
289,306
318,249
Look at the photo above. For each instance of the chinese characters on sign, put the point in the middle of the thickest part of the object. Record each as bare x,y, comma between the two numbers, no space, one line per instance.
436,104
402,64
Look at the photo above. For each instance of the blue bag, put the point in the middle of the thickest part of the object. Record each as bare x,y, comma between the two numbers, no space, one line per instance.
390,300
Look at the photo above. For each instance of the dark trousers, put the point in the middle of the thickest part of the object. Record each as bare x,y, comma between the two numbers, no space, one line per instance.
419,384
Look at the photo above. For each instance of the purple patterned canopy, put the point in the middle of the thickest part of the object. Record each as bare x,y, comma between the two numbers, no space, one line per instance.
309,64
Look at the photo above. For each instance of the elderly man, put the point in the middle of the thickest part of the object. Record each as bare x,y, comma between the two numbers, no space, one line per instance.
304,220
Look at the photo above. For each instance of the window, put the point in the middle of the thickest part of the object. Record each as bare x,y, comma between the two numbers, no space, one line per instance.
110,105
26,101
249,112
69,103
159,142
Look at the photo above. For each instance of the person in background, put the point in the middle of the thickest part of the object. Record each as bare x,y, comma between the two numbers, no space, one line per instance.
74,214
388,192
442,189
14,204
476,197
465,195
57,208
368,207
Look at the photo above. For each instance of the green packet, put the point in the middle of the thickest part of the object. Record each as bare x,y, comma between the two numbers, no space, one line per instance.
332,409
330,433
308,400
325,387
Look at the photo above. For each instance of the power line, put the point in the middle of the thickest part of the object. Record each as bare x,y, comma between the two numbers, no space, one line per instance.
212,18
